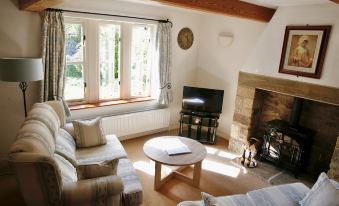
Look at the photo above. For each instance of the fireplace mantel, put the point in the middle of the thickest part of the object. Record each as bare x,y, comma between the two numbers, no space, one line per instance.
325,94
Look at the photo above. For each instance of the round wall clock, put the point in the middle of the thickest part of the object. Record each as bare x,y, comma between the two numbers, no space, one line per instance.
185,38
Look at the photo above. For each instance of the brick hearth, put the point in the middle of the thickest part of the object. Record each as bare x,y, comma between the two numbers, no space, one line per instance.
247,107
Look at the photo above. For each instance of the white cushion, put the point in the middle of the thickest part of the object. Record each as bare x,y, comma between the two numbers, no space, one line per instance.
209,200
325,195
89,133
319,193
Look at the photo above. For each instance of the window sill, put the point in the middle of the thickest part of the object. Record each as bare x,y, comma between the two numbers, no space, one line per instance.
108,103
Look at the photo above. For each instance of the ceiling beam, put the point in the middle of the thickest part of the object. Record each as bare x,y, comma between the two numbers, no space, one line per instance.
38,5
335,1
227,7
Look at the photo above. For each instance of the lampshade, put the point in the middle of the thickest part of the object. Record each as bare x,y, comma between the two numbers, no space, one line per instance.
21,69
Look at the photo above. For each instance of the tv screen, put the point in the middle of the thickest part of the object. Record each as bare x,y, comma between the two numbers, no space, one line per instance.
202,100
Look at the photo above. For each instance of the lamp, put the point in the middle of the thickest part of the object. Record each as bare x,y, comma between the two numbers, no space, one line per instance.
21,70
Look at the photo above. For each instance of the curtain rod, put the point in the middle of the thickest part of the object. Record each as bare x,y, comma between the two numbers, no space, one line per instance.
114,15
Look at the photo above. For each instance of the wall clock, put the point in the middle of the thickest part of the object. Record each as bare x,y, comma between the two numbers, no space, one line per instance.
185,38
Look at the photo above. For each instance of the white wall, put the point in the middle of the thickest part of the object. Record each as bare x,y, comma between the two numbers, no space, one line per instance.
183,62
19,37
265,58
218,66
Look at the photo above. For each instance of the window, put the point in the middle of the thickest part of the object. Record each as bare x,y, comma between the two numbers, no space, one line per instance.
141,61
108,60
74,90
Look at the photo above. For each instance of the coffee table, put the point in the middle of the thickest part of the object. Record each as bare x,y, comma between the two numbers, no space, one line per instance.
155,149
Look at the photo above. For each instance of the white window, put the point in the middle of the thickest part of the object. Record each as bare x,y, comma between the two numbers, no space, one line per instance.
108,60
74,72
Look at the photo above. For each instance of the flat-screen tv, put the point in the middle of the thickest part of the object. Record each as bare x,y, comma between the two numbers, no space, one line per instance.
202,100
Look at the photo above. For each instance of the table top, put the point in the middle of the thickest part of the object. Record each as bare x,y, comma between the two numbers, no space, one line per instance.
155,149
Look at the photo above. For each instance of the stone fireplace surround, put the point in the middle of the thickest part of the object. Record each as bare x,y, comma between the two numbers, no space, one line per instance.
246,108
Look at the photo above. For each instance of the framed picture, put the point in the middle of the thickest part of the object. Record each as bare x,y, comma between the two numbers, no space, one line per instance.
304,50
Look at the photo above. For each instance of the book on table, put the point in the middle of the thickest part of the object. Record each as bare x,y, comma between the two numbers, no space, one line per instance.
178,150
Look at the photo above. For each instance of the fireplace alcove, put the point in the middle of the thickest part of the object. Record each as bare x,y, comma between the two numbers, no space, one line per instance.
261,99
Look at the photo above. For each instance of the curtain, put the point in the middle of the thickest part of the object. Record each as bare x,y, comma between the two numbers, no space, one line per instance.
53,55
163,45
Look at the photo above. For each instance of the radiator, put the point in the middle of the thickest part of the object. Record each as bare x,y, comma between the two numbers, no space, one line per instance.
134,123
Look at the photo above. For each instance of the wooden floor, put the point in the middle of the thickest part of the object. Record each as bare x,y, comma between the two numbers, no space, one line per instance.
219,177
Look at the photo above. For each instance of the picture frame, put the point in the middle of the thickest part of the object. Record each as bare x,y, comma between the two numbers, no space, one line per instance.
304,50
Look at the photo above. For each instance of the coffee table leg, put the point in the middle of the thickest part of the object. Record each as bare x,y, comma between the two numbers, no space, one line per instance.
157,176
197,174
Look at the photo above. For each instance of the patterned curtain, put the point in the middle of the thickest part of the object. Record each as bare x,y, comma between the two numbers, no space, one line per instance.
53,55
163,45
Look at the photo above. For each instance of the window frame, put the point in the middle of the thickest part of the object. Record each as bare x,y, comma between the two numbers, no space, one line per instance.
91,28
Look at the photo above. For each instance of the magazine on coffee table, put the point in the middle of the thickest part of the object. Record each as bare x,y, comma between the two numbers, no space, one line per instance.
178,149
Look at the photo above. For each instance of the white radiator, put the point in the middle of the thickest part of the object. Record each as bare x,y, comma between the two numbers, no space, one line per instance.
134,123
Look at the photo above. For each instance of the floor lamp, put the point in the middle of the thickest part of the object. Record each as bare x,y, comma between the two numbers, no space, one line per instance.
21,70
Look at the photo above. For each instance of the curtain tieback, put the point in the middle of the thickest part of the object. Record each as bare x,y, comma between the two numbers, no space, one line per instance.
168,85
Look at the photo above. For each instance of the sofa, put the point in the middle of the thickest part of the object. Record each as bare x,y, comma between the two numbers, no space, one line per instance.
51,170
293,194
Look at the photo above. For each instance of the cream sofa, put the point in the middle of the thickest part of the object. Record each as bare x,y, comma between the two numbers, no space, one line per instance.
52,171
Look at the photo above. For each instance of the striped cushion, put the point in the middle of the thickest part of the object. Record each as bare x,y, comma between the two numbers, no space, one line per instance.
44,113
65,146
104,153
59,109
34,137
88,133
97,170
68,171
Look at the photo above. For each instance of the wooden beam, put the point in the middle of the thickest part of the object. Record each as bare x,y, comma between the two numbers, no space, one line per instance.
335,1
38,5
228,7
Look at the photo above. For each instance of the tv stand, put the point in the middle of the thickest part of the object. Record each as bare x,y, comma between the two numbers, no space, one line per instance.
200,126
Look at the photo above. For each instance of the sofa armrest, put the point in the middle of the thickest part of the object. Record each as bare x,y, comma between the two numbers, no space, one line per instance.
92,189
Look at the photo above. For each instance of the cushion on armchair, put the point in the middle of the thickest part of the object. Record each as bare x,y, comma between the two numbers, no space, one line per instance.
65,146
88,133
44,113
98,169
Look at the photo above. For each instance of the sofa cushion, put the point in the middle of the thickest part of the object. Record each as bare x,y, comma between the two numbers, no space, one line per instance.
34,137
317,187
67,170
325,195
65,146
88,133
98,170
59,109
289,194
132,194
44,113
96,155
231,200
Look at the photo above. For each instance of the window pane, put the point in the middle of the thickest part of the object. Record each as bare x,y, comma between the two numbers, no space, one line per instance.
74,85
140,61
109,61
74,42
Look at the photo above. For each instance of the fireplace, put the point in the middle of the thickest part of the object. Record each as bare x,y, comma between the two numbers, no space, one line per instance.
261,99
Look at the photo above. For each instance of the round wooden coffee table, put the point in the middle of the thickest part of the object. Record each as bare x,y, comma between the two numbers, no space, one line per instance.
155,149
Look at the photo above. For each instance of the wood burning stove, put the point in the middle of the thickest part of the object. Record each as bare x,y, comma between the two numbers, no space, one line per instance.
286,143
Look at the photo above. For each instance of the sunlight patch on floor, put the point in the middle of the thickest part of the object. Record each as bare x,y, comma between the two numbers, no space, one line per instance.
227,155
220,168
211,150
149,168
